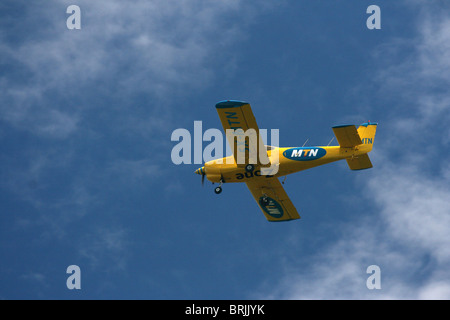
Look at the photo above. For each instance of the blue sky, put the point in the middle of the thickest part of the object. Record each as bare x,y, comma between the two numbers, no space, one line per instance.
86,176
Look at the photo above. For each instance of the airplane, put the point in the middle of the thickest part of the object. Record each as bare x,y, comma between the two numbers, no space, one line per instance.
354,146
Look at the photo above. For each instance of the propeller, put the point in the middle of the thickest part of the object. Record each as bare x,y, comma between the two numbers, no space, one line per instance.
202,172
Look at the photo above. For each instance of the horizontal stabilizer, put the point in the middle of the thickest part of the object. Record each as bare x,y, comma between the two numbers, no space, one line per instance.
360,162
347,136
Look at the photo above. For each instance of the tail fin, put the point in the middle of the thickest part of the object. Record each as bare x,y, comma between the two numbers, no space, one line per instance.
363,137
366,132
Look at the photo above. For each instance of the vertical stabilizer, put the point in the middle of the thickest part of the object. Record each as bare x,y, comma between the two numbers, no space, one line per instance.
366,132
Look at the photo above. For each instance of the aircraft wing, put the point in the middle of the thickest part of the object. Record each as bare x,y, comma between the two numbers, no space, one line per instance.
236,115
347,136
278,206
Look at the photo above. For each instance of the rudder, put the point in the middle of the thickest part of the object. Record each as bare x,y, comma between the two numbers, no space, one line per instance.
367,132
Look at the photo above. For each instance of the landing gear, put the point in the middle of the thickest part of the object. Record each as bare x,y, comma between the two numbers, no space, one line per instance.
249,167
218,189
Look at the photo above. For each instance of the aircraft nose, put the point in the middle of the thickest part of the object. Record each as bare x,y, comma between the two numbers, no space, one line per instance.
200,171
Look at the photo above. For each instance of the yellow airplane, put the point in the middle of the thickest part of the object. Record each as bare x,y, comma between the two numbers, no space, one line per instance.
354,144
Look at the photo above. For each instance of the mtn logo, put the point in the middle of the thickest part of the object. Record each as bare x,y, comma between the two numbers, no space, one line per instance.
304,154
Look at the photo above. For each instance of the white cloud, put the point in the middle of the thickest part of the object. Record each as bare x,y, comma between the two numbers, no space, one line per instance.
155,48
415,207
435,291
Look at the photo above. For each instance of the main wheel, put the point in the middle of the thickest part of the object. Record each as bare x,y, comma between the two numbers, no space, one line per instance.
218,190
249,168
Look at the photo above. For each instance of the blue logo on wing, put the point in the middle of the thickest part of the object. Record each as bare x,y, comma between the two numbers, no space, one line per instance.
304,154
271,207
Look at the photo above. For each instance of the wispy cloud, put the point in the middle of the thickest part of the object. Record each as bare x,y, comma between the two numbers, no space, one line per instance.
133,171
150,49
105,247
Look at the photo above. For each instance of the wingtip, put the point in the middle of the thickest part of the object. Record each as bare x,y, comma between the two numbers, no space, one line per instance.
230,104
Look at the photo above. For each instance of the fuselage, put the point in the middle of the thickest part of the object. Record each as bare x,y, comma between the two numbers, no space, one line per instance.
288,160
